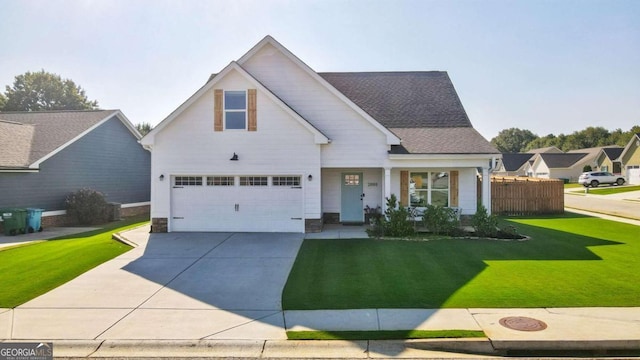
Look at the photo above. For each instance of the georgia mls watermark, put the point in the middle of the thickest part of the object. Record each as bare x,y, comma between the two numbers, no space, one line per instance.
26,351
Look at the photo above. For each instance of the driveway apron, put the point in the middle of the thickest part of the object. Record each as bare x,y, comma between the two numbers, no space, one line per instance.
172,286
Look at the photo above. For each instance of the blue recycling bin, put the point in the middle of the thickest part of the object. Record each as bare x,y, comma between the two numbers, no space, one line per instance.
34,219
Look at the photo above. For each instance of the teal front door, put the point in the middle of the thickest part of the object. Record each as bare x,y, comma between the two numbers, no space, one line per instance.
352,210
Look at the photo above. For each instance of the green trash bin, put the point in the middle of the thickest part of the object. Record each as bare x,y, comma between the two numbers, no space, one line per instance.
14,221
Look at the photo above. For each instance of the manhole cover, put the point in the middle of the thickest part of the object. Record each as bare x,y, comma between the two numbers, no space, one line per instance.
522,323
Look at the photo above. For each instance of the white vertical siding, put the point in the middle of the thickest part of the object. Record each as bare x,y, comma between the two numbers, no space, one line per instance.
280,146
355,141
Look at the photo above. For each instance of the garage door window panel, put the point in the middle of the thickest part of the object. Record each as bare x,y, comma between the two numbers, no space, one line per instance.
220,180
286,181
188,181
254,181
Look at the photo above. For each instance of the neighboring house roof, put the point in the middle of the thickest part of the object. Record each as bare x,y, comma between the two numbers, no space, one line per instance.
35,136
548,149
561,160
613,152
514,161
593,152
16,140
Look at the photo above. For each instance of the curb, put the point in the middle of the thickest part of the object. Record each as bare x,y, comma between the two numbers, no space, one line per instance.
333,349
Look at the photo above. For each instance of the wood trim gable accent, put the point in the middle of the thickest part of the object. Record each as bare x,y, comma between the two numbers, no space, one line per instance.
404,188
218,110
454,188
252,103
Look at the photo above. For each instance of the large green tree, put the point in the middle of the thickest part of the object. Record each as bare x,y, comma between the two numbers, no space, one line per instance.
513,140
39,91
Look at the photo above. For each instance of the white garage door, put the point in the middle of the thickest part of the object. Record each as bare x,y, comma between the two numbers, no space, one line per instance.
237,203
633,175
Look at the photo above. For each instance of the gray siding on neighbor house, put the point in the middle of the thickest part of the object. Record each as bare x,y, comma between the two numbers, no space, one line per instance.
108,159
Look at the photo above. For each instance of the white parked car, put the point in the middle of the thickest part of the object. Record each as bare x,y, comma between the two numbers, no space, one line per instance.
595,178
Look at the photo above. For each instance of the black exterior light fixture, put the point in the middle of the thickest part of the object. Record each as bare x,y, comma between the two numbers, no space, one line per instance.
161,177
310,177
234,157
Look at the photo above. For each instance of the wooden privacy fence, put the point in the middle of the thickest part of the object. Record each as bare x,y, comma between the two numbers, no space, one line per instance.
526,196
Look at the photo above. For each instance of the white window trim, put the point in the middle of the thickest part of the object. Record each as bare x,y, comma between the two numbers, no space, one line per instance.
246,110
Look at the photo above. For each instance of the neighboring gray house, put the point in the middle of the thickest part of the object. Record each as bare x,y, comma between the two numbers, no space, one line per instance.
513,164
558,166
45,156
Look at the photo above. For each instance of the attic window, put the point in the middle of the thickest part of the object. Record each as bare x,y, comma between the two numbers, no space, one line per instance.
235,110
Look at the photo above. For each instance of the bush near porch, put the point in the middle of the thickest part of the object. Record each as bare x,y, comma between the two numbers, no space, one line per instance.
570,260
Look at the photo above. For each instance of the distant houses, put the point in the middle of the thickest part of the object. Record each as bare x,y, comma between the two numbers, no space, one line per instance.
552,163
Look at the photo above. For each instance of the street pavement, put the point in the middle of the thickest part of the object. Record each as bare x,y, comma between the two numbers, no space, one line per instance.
218,295
625,205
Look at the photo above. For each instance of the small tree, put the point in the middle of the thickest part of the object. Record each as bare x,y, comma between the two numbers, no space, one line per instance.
87,206
395,222
587,168
485,225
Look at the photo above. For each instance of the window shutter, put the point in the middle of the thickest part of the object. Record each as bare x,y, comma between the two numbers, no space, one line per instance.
404,188
252,114
453,188
218,110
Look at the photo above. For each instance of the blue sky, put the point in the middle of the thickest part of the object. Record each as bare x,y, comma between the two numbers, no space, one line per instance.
547,66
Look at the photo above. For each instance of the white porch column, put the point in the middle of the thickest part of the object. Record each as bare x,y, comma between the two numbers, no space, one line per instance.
387,188
486,189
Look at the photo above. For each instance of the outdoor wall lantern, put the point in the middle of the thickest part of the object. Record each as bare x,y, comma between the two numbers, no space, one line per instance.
161,177
310,177
234,157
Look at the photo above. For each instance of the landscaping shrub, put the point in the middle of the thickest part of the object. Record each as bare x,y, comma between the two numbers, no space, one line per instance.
441,220
87,206
587,168
485,225
395,223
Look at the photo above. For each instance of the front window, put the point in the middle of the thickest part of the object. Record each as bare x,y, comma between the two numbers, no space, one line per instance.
235,109
429,188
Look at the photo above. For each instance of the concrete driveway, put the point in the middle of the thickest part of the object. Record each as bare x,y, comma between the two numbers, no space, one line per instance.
172,286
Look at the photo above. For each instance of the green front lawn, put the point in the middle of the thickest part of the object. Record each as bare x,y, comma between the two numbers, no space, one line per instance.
31,270
614,190
572,185
570,260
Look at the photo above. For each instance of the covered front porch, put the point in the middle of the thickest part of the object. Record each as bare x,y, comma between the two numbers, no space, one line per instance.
349,193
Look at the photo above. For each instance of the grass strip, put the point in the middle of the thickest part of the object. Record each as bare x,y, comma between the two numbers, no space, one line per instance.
614,190
384,334
33,269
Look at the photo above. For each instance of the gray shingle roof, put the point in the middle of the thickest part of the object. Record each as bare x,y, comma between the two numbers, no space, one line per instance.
15,140
613,153
422,108
460,140
561,160
513,162
50,130
403,99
